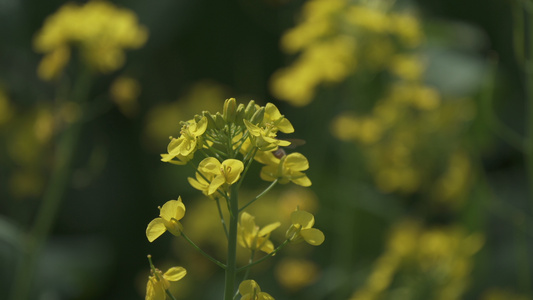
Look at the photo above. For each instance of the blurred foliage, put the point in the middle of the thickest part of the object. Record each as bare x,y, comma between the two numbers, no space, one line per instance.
413,117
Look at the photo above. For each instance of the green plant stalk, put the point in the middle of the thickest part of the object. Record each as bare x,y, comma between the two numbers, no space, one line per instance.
216,262
35,240
526,274
248,266
231,264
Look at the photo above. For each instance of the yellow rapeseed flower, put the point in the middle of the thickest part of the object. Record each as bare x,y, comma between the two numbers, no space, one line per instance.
212,174
169,216
264,138
276,119
288,168
302,229
183,148
158,282
100,30
251,237
250,290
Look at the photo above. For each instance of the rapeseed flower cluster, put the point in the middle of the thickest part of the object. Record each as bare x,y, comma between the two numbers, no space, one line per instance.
100,30
221,147
398,134
443,254
336,38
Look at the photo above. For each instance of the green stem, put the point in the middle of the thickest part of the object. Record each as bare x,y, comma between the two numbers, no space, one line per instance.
248,160
231,268
528,68
52,197
222,220
260,195
202,251
264,257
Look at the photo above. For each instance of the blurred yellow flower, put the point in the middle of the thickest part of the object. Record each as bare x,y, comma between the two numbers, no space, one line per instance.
158,282
212,174
100,29
250,290
302,229
288,168
124,92
250,236
295,274
443,255
169,216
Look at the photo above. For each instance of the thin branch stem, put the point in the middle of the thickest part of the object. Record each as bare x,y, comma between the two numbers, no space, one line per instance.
264,257
222,220
260,195
218,263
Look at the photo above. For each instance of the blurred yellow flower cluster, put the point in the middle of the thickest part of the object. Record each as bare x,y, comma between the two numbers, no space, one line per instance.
405,139
100,30
439,259
334,38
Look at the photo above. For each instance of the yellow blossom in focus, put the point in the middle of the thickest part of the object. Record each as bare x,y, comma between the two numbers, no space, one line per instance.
184,146
250,236
276,119
158,282
302,229
124,92
212,174
169,216
250,290
101,30
264,138
287,169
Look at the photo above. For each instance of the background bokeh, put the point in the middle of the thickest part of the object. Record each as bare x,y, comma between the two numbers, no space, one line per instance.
417,141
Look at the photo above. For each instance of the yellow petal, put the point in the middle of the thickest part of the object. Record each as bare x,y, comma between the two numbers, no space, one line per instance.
302,181
312,236
151,293
269,173
272,112
267,247
296,162
247,222
199,128
232,170
268,229
285,126
302,218
253,129
173,209
249,287
175,273
209,165
215,184
155,229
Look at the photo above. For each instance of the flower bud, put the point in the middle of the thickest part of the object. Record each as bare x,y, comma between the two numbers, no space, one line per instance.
258,116
219,121
250,110
230,110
